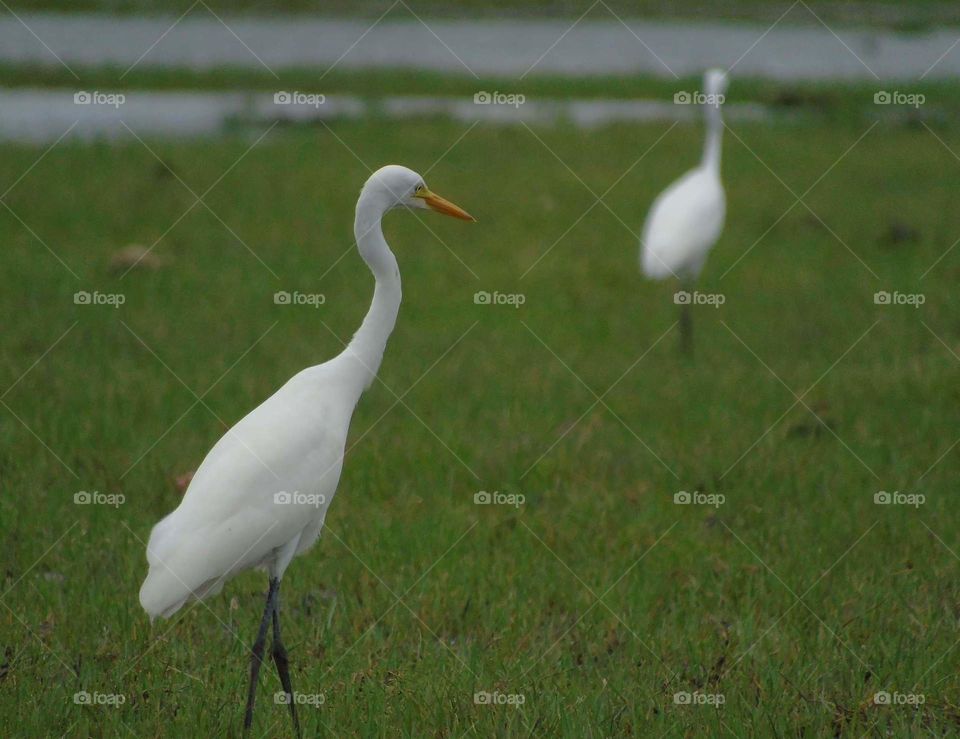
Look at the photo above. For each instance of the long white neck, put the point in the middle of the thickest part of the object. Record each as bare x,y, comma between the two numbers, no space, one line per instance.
368,344
711,146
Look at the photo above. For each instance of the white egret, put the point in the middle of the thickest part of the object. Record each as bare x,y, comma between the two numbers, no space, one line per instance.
260,496
686,219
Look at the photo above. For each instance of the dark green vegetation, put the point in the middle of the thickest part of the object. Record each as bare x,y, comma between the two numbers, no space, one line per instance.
917,15
597,599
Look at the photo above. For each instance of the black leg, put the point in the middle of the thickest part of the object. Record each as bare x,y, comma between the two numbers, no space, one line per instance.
283,666
257,658
686,330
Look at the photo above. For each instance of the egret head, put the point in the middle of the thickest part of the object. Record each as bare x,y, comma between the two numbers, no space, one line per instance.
715,82
395,186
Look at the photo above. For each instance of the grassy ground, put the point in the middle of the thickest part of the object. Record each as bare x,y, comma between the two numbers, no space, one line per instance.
598,599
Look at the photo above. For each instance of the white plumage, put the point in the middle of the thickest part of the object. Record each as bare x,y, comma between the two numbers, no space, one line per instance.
685,221
687,218
261,495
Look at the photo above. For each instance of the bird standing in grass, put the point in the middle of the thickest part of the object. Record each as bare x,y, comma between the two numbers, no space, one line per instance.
260,496
686,219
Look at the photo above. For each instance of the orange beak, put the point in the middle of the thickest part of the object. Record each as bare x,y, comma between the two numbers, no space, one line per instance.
442,205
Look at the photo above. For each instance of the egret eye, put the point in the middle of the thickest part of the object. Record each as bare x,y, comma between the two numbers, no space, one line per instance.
420,189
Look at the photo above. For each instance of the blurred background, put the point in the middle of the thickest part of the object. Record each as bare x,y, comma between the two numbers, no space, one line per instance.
549,521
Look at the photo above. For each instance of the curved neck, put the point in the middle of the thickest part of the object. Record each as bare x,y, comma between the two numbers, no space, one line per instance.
711,146
370,340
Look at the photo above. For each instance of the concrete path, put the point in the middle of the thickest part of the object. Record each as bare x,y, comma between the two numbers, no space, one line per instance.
599,44
43,115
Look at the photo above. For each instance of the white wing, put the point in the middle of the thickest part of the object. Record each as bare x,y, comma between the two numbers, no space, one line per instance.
265,485
684,222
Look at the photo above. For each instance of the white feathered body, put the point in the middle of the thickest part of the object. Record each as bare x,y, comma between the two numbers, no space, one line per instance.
684,223
260,495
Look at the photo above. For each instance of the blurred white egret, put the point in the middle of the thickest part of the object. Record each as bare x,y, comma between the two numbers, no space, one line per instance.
686,219
260,496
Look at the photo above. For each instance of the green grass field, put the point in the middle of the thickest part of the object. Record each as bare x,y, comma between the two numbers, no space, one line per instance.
598,598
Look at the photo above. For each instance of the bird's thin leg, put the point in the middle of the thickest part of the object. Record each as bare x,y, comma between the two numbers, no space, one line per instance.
686,330
280,659
257,659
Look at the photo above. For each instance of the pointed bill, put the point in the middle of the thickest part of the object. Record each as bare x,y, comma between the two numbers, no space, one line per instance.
442,205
